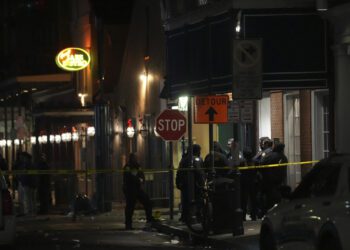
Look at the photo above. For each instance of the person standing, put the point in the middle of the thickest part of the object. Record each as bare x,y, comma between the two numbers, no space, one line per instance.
182,180
4,167
220,161
27,184
44,190
248,186
265,150
133,180
274,177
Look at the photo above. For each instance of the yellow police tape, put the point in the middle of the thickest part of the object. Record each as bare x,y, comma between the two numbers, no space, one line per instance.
91,171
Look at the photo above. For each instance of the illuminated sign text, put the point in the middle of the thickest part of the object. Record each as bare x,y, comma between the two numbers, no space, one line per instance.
73,59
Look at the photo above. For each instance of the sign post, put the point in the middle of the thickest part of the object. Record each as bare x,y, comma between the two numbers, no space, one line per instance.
171,126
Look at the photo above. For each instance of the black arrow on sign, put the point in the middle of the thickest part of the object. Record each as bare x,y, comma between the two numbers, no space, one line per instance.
211,112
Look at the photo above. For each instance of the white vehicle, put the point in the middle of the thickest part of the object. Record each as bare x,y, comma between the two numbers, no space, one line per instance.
317,213
7,217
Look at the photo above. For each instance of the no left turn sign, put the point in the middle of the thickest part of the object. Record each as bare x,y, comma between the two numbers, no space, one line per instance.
246,53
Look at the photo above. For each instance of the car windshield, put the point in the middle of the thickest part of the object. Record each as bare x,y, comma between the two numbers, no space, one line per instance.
322,180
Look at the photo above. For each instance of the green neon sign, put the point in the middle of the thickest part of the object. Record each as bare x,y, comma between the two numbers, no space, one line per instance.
73,59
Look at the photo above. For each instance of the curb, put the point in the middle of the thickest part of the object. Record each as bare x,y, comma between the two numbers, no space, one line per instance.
172,230
190,236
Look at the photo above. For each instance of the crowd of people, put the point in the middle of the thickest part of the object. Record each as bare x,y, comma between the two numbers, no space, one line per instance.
260,188
30,188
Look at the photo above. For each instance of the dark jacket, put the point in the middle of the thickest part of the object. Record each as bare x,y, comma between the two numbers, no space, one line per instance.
220,162
3,164
275,175
133,178
44,180
182,172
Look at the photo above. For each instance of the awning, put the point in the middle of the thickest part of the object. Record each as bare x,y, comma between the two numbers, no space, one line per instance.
33,83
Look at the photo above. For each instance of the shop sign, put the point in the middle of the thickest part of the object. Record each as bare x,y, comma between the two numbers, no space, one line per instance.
73,59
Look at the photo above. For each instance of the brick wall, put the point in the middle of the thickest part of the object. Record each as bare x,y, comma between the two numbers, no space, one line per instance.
277,125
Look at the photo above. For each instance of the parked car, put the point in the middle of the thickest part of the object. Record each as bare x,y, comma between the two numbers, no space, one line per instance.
316,215
7,217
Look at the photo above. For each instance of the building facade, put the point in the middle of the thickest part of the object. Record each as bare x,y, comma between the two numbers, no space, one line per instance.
298,85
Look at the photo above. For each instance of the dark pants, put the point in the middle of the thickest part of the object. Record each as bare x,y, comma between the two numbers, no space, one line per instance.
131,199
184,206
272,196
44,199
248,196
249,188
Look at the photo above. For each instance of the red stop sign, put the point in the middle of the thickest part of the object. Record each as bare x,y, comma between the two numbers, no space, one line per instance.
171,125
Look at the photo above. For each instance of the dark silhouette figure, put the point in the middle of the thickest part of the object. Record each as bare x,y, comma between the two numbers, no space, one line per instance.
44,190
273,178
27,184
265,148
220,161
4,167
248,186
133,180
258,159
188,186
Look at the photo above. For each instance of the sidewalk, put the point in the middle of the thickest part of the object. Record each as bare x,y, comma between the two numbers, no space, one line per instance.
114,220
247,241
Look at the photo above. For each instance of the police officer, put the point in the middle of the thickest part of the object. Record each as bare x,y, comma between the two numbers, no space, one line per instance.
133,180
248,186
220,161
274,178
265,144
44,190
182,181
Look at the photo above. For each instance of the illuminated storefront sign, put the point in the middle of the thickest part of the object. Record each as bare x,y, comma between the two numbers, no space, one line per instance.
73,59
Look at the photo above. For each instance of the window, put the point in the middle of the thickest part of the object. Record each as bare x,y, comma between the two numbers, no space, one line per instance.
325,102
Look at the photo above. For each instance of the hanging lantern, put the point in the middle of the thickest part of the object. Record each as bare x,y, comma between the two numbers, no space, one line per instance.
130,131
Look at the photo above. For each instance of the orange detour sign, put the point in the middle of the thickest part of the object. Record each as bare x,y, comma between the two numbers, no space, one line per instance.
211,109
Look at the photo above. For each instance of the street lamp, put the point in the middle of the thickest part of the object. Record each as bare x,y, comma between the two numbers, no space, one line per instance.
321,5
66,137
91,131
130,132
33,140
75,136
52,138
44,139
57,138
182,103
